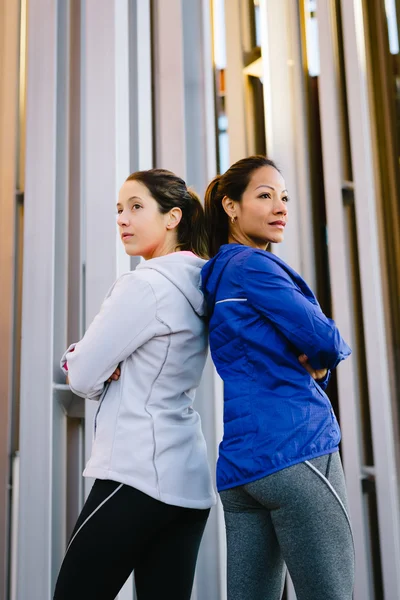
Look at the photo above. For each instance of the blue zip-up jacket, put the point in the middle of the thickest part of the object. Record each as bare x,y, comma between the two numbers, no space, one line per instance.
262,316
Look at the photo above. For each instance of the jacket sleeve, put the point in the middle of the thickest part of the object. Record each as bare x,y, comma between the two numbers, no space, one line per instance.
323,383
127,319
275,295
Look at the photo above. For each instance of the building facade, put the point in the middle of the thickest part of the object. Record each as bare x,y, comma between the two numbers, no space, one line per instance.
92,90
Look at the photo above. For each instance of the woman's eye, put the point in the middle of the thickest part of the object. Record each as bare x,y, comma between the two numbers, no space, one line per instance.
286,199
266,195
119,211
136,206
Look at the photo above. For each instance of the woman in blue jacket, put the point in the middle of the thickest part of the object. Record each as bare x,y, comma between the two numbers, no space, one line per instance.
279,472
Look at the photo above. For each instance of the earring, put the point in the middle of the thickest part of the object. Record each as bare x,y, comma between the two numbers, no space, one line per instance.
233,219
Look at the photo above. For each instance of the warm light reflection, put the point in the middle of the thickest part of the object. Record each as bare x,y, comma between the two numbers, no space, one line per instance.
219,34
255,69
312,46
219,59
22,96
390,7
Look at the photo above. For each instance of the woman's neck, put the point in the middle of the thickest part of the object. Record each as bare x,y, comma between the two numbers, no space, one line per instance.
239,238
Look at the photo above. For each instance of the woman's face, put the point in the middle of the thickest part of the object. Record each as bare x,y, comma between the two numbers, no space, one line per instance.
144,230
262,213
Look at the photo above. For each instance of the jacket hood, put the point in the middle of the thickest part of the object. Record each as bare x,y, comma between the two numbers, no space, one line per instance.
183,269
213,271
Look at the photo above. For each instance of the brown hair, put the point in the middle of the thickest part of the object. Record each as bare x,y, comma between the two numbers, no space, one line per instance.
170,191
232,184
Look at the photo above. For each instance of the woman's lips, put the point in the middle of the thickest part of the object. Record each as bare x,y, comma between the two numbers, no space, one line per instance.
126,236
278,224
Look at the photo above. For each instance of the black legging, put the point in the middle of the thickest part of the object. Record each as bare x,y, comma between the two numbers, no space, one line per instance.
120,530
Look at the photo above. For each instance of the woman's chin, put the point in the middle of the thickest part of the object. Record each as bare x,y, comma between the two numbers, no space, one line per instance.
274,239
278,238
132,252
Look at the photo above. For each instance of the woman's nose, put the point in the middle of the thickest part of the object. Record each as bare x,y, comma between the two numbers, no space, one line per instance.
281,207
122,219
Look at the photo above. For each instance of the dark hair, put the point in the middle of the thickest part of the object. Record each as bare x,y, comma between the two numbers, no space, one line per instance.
170,191
232,184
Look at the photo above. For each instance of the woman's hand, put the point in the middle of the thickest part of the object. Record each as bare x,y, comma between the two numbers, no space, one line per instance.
315,373
115,375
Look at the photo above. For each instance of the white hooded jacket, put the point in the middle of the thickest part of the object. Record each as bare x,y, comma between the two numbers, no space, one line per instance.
146,432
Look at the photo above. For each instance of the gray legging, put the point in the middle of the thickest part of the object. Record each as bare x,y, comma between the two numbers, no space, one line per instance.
296,516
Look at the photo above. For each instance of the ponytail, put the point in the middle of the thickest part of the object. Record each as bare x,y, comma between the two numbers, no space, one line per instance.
216,218
192,234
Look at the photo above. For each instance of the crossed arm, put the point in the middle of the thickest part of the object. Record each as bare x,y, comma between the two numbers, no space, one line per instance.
298,317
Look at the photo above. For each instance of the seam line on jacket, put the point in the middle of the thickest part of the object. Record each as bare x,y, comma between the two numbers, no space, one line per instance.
123,372
148,398
232,300
94,512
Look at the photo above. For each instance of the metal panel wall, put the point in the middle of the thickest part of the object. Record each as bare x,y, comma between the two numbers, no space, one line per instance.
380,393
74,168
9,41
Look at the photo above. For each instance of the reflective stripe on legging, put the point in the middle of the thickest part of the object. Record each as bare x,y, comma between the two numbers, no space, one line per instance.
91,514
330,486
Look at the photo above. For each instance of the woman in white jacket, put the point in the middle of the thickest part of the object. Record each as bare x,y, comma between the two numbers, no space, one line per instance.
142,359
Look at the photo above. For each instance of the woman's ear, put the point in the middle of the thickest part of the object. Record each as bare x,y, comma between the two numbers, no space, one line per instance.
229,207
174,217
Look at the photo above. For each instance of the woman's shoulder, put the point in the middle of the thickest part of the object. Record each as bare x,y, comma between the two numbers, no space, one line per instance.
130,278
266,261
262,264
130,282
239,261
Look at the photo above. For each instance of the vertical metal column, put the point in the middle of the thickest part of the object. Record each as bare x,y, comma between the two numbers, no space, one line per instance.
36,417
235,88
339,262
286,129
380,392
199,111
60,283
122,115
9,40
141,94
75,426
169,99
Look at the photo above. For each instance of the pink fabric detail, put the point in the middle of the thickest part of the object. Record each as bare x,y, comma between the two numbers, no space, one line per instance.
65,365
